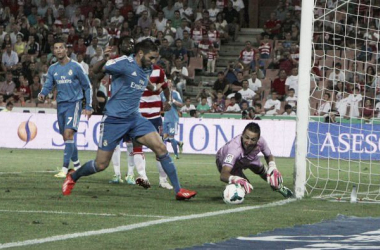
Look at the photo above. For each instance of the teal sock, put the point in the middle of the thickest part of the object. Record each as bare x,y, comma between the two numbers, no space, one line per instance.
74,157
88,168
170,170
67,153
174,145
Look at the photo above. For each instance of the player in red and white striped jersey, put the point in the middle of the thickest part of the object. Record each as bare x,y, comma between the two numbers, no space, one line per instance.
150,108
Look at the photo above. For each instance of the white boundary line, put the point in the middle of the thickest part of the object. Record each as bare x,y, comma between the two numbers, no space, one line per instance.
80,213
139,225
56,171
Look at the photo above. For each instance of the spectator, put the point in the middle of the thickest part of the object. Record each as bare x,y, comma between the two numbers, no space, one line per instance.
70,52
80,47
117,18
169,11
7,88
188,106
166,54
203,48
146,6
288,111
2,34
177,20
292,81
221,27
219,103
282,63
35,89
232,17
265,48
368,110
81,62
239,7
272,106
291,99
214,36
160,21
272,27
255,85
336,75
186,11
91,50
213,11
354,70
180,52
325,107
287,23
246,93
247,55
97,57
203,107
221,84
354,101
197,33
179,75
255,112
20,45
9,58
169,32
233,107
23,93
8,107
132,20
33,17
188,43
103,38
42,8
212,55
144,21
258,65
181,29
231,71
194,113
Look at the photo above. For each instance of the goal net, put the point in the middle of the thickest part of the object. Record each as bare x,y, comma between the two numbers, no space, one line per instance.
344,126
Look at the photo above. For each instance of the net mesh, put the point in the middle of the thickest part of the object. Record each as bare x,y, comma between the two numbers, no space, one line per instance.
344,127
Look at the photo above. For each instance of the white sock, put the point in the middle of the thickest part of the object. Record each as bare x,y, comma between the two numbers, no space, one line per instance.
116,160
161,170
131,162
140,164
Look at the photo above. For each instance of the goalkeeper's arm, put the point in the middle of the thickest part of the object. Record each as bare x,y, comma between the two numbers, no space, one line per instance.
225,176
274,177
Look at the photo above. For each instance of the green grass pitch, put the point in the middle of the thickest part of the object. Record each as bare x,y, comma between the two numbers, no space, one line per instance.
32,207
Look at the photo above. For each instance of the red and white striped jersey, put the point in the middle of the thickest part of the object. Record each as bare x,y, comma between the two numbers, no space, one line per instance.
151,103
247,56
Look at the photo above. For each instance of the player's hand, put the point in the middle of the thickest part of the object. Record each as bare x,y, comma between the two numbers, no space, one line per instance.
167,106
274,177
158,87
107,52
87,113
243,182
41,97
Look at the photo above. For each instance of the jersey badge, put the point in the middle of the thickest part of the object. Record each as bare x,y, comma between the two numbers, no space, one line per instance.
229,158
70,72
134,73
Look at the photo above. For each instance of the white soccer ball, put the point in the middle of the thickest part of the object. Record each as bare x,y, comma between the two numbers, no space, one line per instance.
233,194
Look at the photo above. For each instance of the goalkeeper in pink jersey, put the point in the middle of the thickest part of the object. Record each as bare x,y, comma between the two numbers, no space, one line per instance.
241,153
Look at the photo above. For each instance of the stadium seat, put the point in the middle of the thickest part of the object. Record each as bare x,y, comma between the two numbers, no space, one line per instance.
272,74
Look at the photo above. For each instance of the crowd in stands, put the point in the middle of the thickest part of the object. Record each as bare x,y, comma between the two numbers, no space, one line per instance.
263,80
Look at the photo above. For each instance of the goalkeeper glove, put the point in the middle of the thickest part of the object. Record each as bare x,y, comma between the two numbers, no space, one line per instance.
243,182
274,177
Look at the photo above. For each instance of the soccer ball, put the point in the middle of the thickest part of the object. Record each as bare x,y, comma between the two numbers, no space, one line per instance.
233,194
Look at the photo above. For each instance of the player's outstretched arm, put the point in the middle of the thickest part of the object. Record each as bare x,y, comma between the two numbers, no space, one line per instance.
225,176
48,86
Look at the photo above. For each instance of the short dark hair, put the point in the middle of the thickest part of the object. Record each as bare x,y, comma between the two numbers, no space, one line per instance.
253,127
287,106
59,40
9,104
146,46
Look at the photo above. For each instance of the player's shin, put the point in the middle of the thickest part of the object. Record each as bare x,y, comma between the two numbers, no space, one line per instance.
116,160
75,158
68,152
88,168
140,163
170,169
